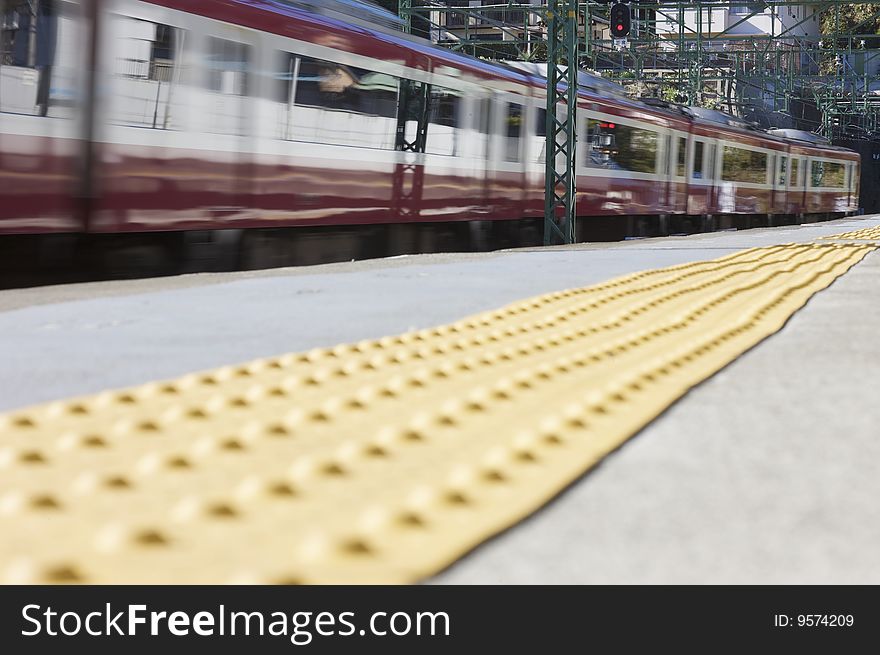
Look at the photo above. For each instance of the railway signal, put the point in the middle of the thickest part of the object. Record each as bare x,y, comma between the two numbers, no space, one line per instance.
620,19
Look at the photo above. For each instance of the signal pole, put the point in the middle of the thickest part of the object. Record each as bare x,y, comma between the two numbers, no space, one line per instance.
560,191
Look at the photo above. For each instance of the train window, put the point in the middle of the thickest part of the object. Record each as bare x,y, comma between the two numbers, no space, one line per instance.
541,122
147,72
793,176
227,78
817,172
664,159
29,32
514,132
443,122
783,164
541,135
283,92
337,104
227,66
710,166
681,162
621,147
411,125
486,106
698,160
741,165
827,174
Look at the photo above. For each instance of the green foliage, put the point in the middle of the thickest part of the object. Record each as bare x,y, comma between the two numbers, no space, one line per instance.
838,22
855,18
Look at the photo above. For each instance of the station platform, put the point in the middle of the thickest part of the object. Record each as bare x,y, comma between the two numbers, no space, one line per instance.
651,411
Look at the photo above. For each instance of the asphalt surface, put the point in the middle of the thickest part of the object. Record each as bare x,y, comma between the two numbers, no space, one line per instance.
766,473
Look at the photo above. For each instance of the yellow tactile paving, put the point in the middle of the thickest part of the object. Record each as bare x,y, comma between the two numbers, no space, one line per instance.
865,234
381,461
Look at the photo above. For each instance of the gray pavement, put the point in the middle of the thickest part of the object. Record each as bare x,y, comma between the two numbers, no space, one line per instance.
765,473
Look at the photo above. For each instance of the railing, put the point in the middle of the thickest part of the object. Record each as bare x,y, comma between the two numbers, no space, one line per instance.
156,70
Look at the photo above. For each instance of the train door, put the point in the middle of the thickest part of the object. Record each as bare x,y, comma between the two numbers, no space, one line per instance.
678,165
147,146
796,176
45,115
712,175
507,152
484,122
536,157
230,80
699,182
664,166
770,180
851,173
481,124
780,174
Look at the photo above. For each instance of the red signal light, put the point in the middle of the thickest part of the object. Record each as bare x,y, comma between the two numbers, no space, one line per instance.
620,19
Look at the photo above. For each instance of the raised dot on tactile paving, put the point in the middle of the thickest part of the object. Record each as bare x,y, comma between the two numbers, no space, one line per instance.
179,462
501,394
63,573
282,489
333,469
117,482
33,457
412,520
222,510
150,537
375,450
526,455
357,547
412,435
458,498
45,502
577,423
494,475
289,580
93,441
278,430
446,420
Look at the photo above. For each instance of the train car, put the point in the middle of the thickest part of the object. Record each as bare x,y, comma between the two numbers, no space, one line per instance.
135,116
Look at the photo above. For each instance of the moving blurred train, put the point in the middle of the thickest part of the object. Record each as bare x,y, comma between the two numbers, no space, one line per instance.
227,117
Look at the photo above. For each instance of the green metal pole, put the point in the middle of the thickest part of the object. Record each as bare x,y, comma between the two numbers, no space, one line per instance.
560,184
404,10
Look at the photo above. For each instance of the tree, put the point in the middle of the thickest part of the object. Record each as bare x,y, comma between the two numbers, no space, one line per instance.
839,22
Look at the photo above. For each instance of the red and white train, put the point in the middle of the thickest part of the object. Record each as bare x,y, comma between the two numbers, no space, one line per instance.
173,115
